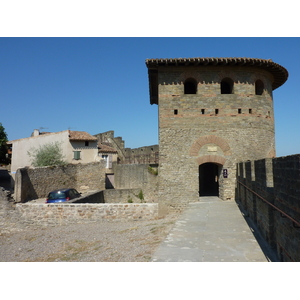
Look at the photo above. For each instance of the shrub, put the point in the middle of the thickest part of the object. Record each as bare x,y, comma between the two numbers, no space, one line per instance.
47,155
141,196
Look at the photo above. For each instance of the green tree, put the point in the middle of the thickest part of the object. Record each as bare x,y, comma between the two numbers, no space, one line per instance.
47,155
3,145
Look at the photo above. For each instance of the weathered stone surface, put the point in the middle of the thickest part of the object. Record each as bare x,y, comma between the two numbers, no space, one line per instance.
277,181
59,214
34,183
209,126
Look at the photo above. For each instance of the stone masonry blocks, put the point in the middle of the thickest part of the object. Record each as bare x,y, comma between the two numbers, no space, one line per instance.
211,139
210,126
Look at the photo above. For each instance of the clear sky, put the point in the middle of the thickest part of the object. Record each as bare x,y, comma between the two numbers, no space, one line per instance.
101,84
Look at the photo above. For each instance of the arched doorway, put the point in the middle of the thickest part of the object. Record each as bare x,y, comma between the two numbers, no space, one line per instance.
209,174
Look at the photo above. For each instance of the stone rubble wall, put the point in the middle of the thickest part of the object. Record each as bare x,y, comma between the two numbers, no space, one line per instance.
60,214
4,203
8,215
210,127
34,183
277,181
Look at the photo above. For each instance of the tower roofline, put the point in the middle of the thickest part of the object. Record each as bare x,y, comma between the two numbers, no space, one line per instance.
280,73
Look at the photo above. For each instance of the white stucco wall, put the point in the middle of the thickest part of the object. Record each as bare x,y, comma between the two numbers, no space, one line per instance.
87,153
20,148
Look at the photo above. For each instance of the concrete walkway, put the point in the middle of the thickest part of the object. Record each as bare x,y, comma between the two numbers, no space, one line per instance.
211,230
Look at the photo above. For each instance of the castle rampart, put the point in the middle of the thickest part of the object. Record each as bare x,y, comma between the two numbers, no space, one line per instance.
268,190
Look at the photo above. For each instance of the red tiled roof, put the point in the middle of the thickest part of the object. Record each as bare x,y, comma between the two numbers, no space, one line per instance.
80,136
73,136
105,148
280,73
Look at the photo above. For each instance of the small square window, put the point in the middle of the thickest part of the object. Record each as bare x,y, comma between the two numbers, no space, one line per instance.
202,111
239,110
86,143
175,111
216,111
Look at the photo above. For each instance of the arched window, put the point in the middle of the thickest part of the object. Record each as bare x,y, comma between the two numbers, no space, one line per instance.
190,86
227,86
259,87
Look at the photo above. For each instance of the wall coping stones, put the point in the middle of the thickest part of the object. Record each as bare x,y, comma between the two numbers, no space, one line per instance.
49,214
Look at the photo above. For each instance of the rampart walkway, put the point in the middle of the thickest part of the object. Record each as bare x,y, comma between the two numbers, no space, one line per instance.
212,230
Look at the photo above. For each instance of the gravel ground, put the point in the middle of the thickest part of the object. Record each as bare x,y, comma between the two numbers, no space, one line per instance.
120,241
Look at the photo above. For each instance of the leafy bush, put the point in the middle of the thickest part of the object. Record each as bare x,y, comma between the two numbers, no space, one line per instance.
47,155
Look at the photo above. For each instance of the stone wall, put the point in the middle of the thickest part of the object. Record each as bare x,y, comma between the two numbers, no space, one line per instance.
8,215
269,191
137,176
60,214
105,205
4,203
34,183
114,196
124,196
141,155
210,127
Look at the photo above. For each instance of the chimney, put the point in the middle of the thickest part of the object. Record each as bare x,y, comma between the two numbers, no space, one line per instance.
36,132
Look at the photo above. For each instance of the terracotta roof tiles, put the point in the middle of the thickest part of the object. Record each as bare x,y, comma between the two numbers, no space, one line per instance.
105,148
280,73
80,136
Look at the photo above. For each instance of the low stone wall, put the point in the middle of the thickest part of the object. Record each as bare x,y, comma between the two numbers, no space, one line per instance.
60,214
277,181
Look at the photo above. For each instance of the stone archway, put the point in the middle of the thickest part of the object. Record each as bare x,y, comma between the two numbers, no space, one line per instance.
209,139
210,155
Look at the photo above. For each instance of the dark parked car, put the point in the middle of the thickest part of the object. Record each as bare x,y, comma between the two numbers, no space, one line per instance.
62,195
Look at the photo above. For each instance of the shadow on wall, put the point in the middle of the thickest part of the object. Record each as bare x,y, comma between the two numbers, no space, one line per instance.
24,190
5,179
268,191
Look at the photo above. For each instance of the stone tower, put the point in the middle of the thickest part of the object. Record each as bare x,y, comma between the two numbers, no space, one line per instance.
213,113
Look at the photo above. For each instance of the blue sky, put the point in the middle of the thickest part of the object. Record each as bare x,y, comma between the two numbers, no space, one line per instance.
100,84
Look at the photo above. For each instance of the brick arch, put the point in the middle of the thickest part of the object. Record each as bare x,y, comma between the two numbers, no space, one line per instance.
190,74
227,74
255,77
211,159
209,139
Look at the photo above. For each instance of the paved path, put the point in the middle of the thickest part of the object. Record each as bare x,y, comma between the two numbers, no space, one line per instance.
211,230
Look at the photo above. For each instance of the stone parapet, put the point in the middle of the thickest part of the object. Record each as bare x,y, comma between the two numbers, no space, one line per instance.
268,190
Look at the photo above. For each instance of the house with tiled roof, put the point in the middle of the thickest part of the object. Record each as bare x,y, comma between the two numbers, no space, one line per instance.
77,147
108,153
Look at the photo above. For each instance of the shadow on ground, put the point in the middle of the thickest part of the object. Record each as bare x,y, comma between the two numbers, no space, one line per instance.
268,251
